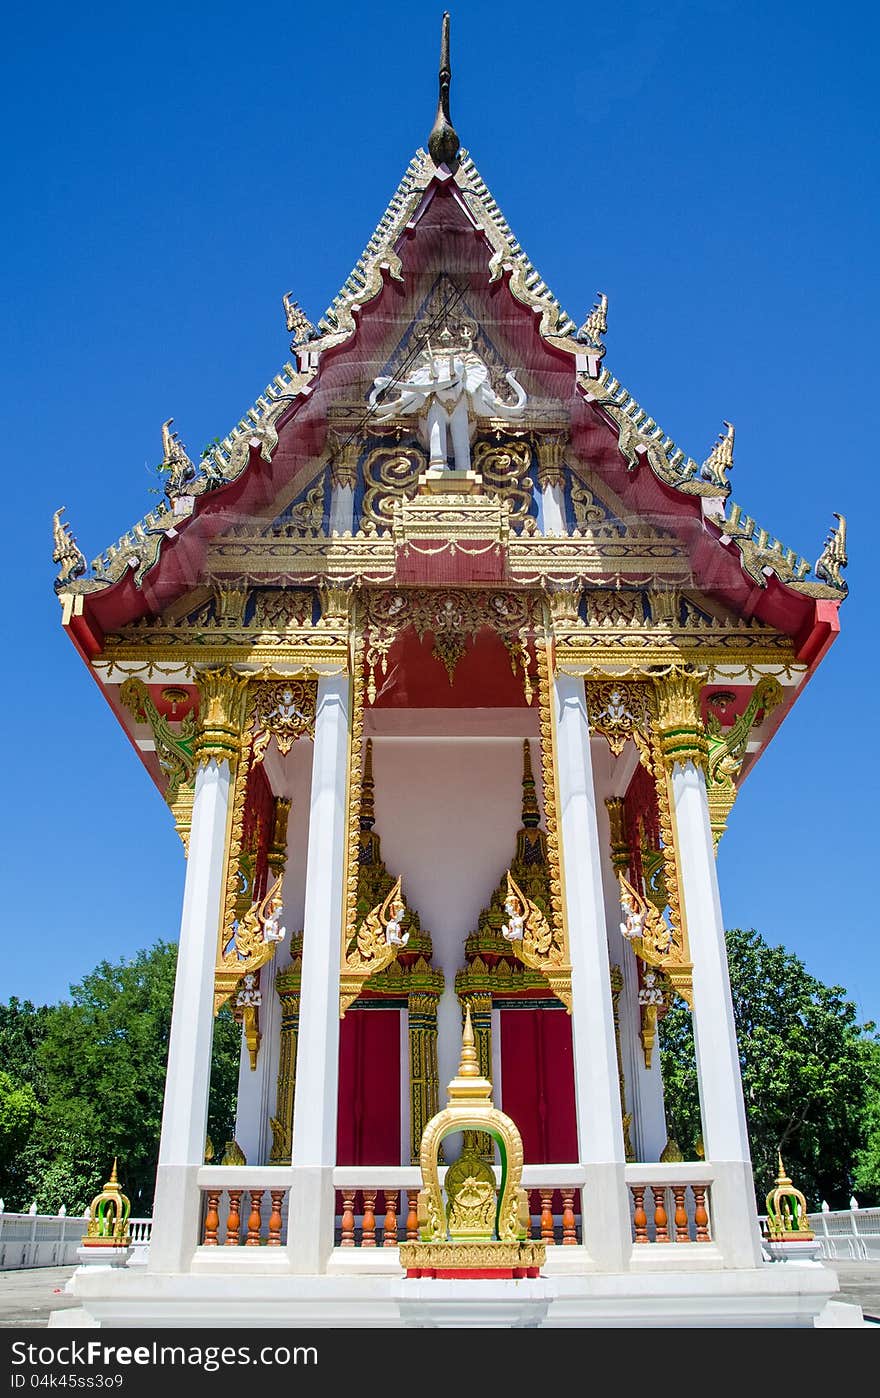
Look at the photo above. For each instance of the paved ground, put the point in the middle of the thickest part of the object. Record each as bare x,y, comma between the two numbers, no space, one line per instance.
27,1297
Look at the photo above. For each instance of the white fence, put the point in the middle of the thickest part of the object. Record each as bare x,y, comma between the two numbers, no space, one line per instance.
48,1240
848,1233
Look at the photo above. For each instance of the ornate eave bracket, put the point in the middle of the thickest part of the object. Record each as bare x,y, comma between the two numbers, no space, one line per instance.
535,943
253,945
373,948
657,942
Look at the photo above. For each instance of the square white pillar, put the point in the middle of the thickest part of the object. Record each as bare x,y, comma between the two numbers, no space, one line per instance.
311,1217
185,1113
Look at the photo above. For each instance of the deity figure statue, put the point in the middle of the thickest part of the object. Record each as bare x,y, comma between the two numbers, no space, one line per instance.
250,994
651,992
633,925
393,935
272,929
448,387
512,930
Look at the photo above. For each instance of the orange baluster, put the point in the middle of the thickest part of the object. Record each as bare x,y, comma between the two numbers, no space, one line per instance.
389,1235
233,1222
640,1218
368,1234
255,1219
347,1240
682,1232
701,1217
661,1219
212,1218
412,1216
275,1218
569,1228
547,1234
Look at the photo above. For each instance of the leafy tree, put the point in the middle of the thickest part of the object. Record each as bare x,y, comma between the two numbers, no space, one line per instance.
101,1061
22,1029
807,1069
18,1113
866,1183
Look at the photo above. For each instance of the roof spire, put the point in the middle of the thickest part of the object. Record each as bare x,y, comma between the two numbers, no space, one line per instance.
443,140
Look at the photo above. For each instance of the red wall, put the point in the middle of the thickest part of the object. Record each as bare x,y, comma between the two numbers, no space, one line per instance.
368,1114
537,1083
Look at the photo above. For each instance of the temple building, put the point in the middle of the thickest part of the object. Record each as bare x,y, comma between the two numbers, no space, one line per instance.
449,663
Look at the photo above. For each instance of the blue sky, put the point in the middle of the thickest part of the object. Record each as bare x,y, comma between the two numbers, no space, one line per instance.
170,172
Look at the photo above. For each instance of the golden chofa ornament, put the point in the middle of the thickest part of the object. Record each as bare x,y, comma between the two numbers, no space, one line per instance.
787,1220
482,1228
108,1217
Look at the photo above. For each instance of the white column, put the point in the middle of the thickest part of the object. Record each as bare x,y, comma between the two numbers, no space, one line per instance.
185,1113
257,1086
341,509
725,1136
310,1227
644,1086
607,1235
553,510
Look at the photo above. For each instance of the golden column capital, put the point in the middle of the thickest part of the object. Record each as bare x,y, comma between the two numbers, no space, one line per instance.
343,461
619,843
222,715
551,450
680,729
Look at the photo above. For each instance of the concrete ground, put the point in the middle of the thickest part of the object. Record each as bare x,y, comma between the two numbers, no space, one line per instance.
27,1296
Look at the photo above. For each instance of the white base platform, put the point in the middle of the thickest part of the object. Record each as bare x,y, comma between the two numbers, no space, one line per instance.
776,1295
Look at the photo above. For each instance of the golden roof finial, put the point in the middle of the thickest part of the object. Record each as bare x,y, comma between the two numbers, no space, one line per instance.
531,816
368,790
114,1178
443,140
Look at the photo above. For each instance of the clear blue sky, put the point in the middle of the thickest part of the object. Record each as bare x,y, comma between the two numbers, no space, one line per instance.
169,171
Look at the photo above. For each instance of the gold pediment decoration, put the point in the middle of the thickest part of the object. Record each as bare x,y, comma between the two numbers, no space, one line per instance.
454,522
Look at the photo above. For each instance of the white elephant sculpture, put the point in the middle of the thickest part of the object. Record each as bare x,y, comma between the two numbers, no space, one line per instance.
448,388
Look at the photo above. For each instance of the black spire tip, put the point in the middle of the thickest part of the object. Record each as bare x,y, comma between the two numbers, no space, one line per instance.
443,140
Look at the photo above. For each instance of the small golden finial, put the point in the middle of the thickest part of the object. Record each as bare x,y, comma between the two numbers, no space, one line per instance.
114,1178
469,1067
443,140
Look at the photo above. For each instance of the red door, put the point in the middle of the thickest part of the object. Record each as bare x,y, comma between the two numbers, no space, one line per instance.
368,1112
537,1083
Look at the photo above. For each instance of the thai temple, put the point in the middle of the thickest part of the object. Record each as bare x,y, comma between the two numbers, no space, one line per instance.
449,663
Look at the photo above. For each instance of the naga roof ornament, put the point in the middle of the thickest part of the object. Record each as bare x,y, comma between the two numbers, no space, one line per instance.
443,140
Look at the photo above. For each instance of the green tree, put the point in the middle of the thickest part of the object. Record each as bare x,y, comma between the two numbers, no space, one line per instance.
101,1061
866,1183
807,1069
18,1113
